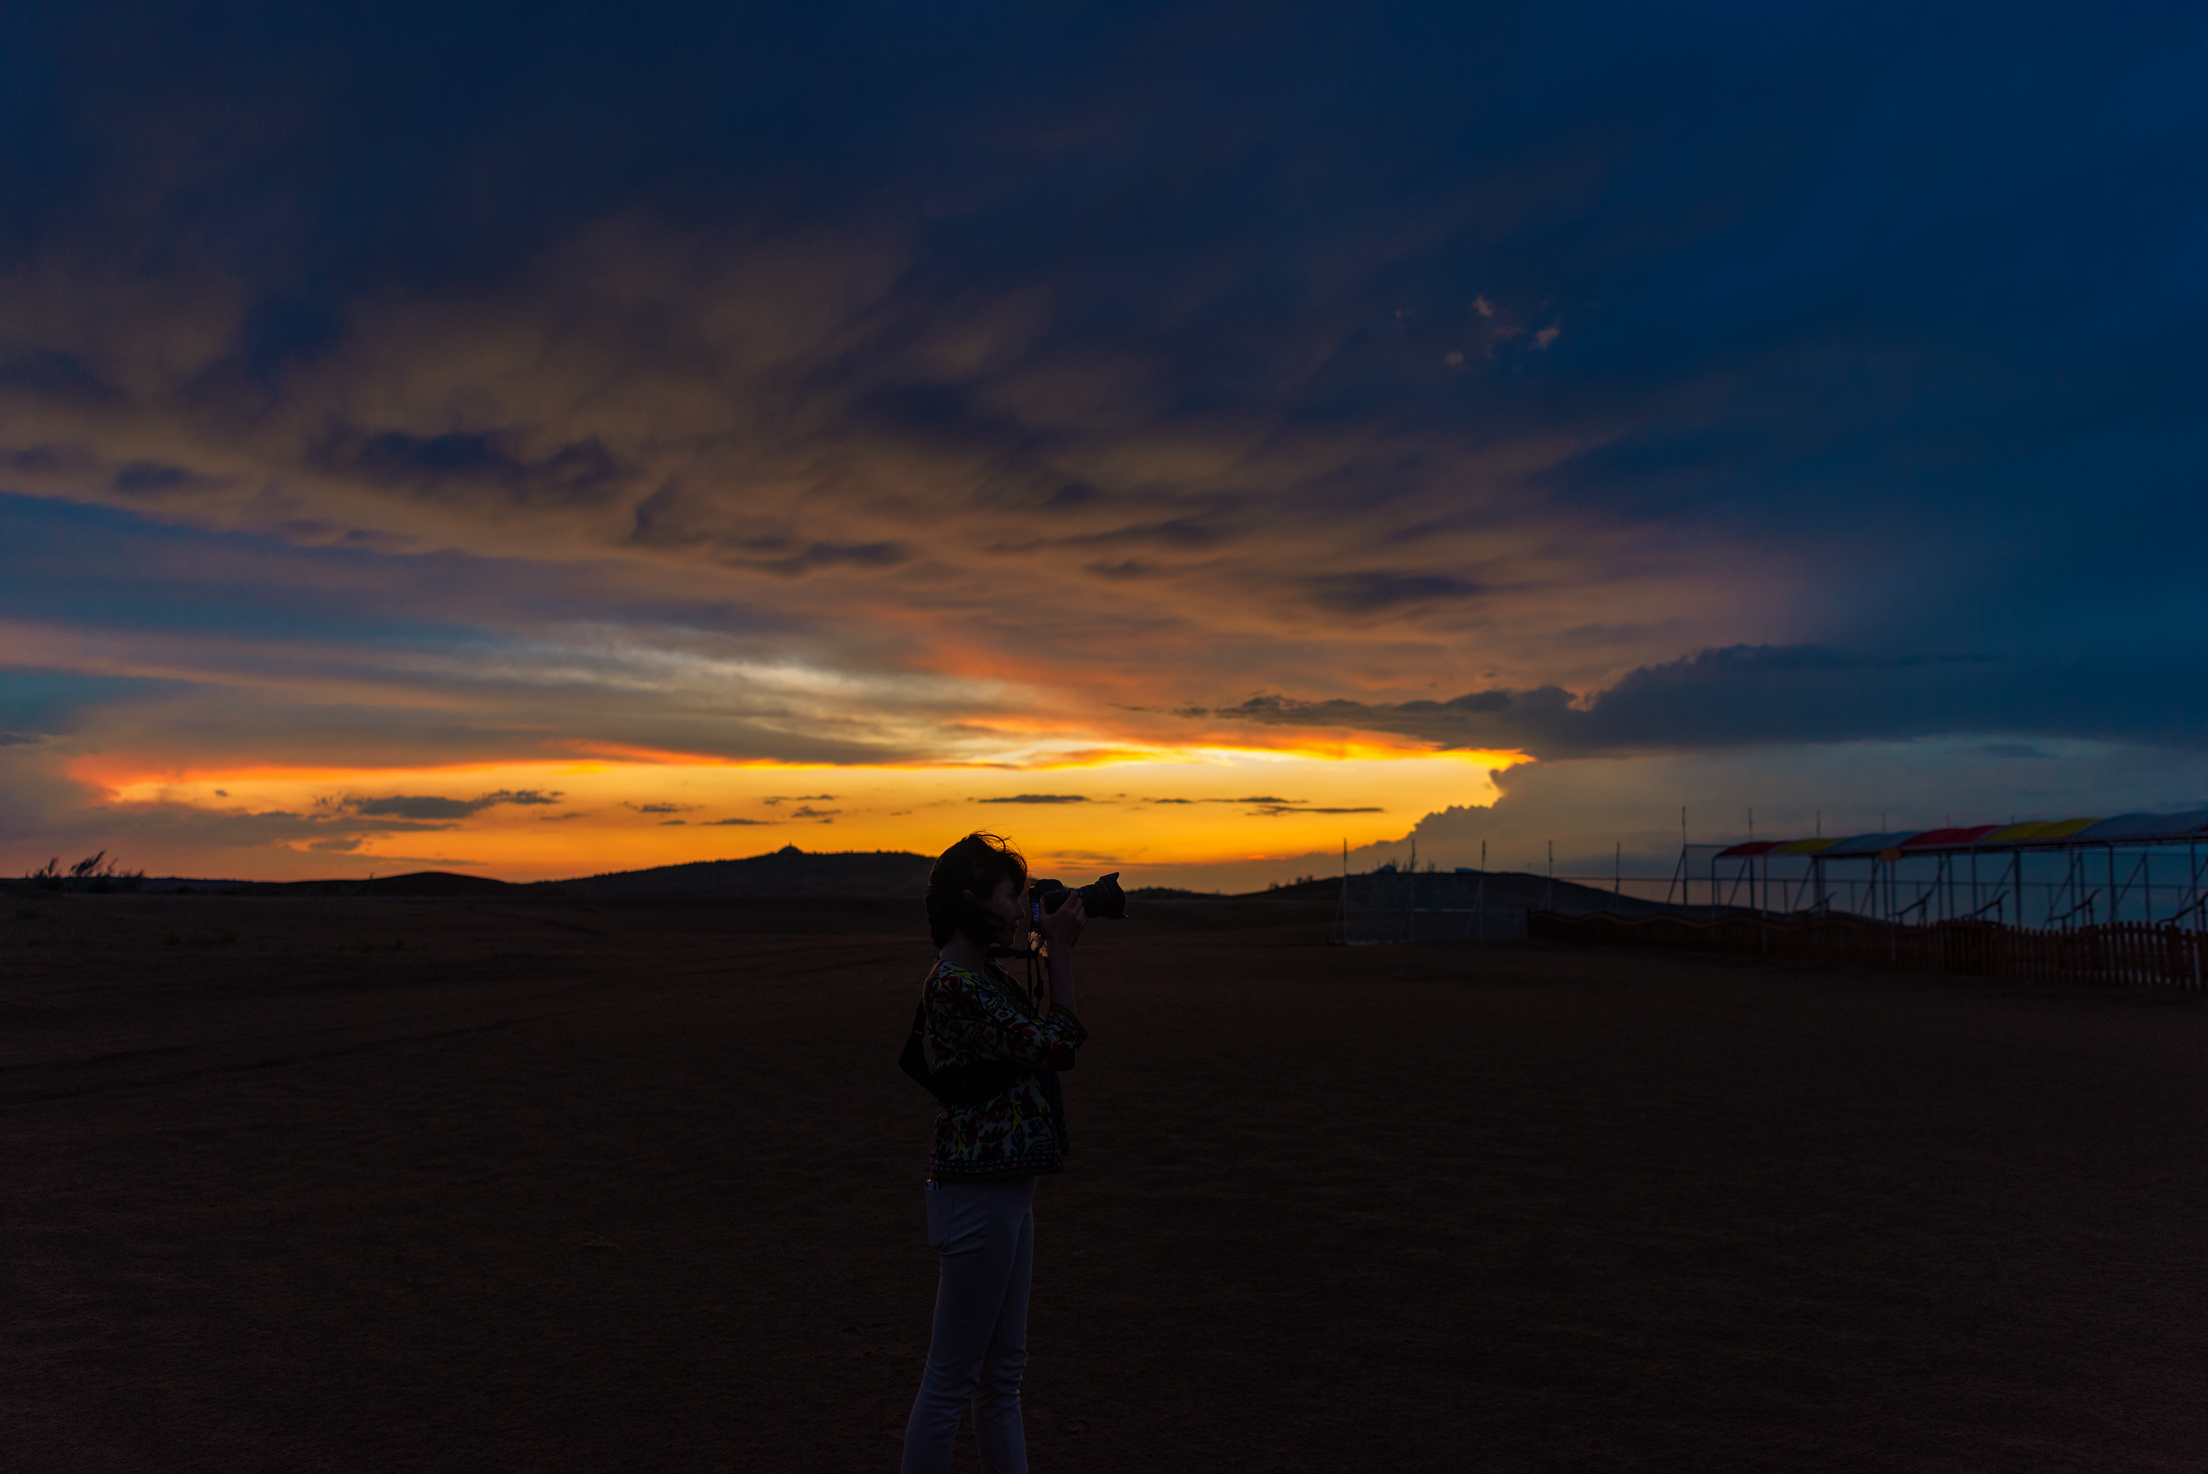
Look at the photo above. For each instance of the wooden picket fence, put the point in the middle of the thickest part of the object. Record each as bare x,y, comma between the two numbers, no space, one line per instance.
2124,953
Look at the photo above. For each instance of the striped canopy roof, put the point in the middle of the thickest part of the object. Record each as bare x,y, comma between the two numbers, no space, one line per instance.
2123,829
2146,826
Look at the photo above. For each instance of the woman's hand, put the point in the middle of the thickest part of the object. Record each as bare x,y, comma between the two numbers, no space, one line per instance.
1062,927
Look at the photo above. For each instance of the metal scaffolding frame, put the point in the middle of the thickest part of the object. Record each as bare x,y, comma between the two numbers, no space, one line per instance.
2050,876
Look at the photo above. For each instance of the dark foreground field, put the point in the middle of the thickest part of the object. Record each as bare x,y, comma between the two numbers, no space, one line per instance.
383,1185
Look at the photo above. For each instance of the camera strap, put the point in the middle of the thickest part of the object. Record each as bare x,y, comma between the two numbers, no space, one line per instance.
1034,986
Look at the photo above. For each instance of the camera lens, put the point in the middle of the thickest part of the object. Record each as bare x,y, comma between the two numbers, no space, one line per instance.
1104,898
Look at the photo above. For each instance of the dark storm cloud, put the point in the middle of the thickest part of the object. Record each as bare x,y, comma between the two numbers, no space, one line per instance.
226,619
456,464
47,374
36,701
1267,806
1263,798
1752,695
786,557
1369,593
425,806
415,806
1123,571
98,568
146,480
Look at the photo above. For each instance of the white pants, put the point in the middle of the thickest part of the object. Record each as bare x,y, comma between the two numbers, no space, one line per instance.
984,1236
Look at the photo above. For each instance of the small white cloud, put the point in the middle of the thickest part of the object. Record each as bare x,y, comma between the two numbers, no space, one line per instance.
1483,307
1455,358
1547,336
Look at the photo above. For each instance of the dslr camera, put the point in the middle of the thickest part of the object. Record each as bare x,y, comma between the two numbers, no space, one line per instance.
1100,897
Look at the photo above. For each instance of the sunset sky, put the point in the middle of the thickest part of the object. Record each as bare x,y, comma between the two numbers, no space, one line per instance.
1190,439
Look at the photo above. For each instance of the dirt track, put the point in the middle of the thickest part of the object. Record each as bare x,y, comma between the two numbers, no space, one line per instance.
636,1186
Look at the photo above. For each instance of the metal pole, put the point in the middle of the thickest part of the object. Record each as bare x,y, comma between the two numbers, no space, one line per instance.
1751,866
1341,897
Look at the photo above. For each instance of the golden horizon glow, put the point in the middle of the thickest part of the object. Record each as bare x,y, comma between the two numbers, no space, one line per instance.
1118,807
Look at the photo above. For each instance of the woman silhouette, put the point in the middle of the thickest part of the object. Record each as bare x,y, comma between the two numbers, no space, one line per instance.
989,1152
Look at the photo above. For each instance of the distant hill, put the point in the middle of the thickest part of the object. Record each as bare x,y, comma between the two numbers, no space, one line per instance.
1502,889
875,875
788,873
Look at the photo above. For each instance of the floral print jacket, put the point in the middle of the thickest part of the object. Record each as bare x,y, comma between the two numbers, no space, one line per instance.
1021,1131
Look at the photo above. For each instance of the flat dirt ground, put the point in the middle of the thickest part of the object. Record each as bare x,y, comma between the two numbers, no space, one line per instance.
297,1184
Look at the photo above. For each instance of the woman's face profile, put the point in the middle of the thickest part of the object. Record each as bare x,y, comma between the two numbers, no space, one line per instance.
1005,902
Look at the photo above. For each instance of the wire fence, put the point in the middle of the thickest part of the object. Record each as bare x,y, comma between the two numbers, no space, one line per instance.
2042,886
1366,928
1414,906
2113,954
1466,906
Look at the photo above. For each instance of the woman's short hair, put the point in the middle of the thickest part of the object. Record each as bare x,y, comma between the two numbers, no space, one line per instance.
976,863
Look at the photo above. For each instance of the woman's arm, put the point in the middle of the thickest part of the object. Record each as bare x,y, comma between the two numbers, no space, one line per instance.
1061,929
978,1017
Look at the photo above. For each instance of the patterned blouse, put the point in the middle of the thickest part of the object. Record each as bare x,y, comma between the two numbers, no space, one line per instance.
1021,1131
